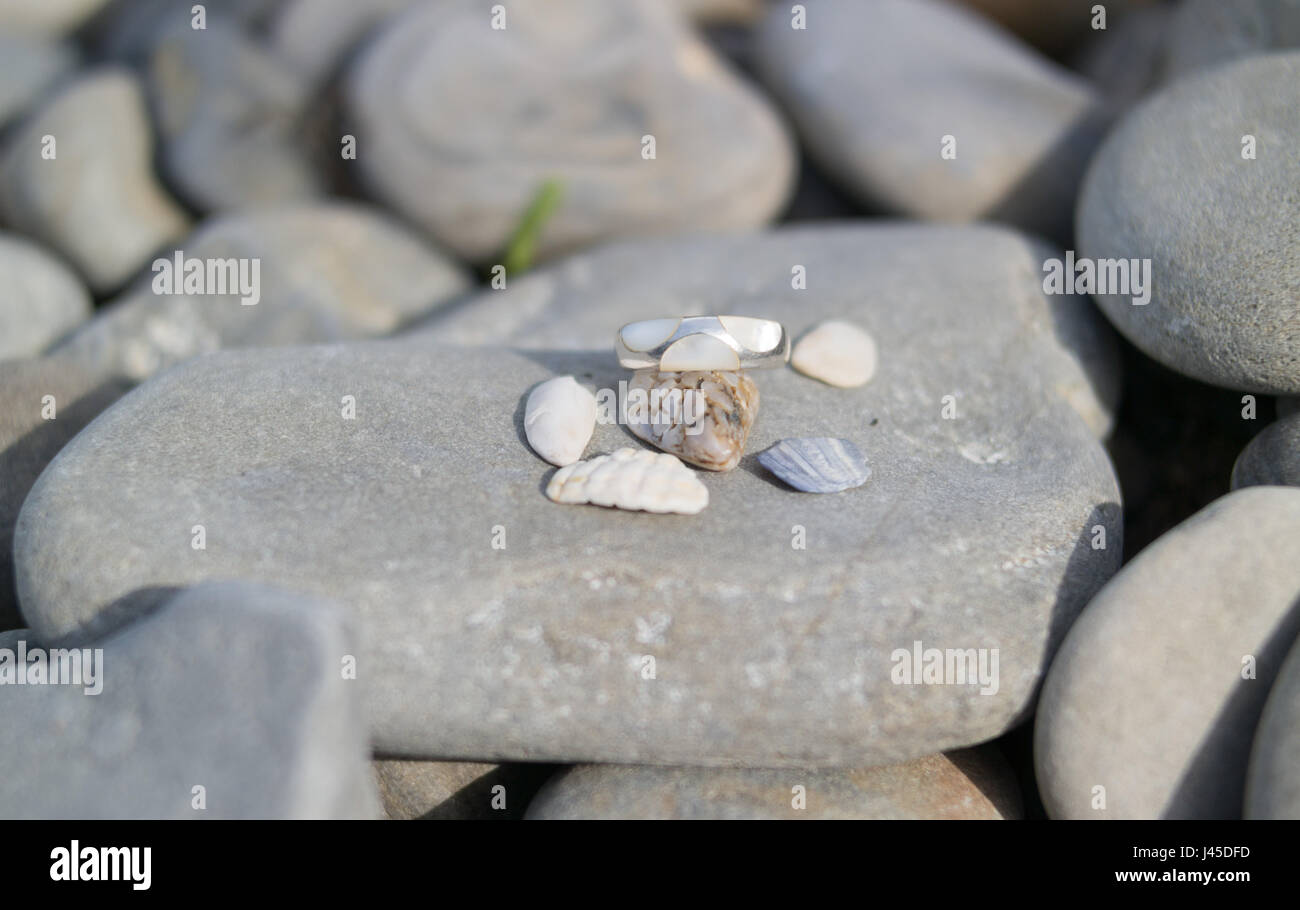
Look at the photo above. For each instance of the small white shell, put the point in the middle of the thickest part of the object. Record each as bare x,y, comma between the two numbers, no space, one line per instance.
559,419
632,479
838,353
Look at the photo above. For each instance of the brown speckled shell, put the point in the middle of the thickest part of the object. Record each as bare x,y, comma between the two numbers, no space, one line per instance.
731,406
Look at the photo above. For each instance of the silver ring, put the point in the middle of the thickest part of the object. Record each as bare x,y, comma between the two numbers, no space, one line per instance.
683,344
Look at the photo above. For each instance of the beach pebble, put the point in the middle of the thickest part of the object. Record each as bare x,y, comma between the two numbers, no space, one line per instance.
631,479
644,128
45,17
1272,458
838,353
704,418
225,702
96,200
128,29
1273,776
1054,25
1125,62
968,784
327,271
820,465
1221,311
1207,33
721,12
231,119
1158,687
28,66
41,299
559,419
923,108
316,36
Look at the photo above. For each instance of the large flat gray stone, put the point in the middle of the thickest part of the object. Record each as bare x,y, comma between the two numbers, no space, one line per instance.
973,533
233,688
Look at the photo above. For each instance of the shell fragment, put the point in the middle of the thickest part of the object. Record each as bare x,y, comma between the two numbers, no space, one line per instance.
817,465
559,419
838,353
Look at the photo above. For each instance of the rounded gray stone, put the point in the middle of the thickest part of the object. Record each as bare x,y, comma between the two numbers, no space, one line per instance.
459,125
28,66
1158,687
1272,458
328,272
974,533
1208,33
1170,184
1273,777
231,118
97,201
1056,26
317,36
1125,60
875,88
231,687
968,784
41,301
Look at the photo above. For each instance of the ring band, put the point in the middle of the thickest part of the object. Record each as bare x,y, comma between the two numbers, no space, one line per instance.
687,343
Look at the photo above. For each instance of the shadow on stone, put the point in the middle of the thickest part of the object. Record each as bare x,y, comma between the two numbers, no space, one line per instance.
1214,784
25,457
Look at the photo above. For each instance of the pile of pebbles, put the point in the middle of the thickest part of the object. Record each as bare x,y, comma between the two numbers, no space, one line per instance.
277,541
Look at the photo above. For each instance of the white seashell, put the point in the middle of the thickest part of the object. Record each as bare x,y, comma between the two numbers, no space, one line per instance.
632,479
559,419
838,353
817,465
